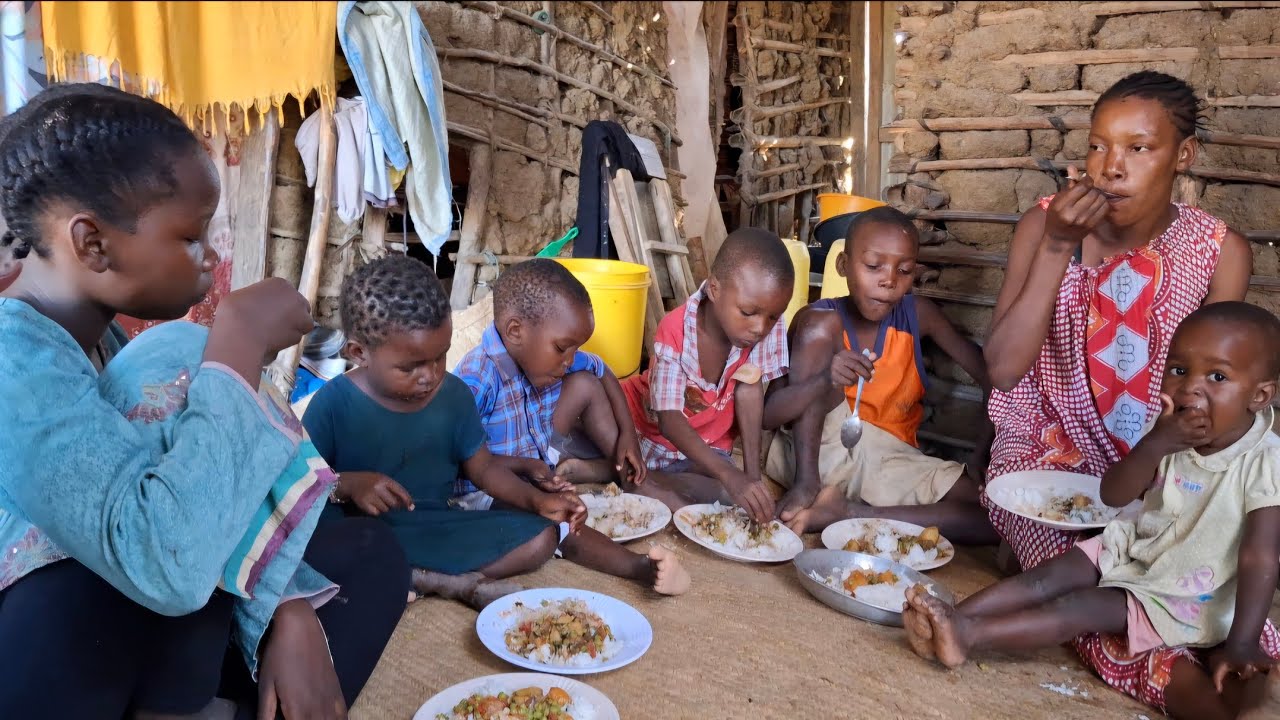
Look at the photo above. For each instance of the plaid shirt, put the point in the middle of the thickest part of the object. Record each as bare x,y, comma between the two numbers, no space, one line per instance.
516,415
676,369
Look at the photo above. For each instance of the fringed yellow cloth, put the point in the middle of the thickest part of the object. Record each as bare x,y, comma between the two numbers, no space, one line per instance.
198,58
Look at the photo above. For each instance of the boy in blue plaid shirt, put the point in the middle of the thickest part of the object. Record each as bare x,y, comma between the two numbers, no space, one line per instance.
551,410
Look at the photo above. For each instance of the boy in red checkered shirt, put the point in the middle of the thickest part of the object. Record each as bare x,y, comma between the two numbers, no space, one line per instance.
705,383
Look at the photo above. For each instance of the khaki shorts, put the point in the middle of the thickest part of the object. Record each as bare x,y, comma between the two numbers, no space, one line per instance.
880,470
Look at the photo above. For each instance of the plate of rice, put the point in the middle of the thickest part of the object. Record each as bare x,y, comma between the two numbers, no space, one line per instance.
1067,501
625,516
901,542
727,531
864,586
519,696
564,631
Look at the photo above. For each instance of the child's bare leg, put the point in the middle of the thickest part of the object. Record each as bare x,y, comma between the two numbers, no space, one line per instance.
1061,604
478,589
1190,695
958,516
525,559
1051,579
659,570
583,406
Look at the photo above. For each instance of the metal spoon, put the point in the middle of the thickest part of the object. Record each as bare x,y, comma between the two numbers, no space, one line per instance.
851,428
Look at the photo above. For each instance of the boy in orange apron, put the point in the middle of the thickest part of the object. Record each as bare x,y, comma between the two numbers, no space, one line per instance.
885,474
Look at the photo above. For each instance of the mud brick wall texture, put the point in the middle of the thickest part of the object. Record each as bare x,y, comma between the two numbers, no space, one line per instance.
992,94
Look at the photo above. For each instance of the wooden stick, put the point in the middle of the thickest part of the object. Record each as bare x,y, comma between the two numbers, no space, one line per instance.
788,192
1246,101
486,259
739,140
768,112
1072,121
1248,52
511,107
285,367
605,14
751,91
1133,8
503,144
780,170
473,224
715,18
527,64
1031,163
677,265
1102,57
779,46
766,87
874,78
624,227
1006,17
251,226
500,11
1085,97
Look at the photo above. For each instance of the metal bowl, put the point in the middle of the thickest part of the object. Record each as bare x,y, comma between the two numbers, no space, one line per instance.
827,562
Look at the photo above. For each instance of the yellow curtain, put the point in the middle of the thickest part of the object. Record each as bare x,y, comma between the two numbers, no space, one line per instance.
197,58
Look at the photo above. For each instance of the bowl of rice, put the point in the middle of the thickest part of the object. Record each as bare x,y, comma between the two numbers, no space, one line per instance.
864,586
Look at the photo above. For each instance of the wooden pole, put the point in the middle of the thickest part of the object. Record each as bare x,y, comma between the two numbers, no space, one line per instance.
473,221
873,98
1103,57
285,366
251,228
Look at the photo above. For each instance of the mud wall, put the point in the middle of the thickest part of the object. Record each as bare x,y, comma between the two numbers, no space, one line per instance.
527,93
801,93
993,96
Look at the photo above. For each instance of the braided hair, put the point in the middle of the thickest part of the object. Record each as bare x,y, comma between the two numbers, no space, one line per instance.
392,294
99,148
1177,97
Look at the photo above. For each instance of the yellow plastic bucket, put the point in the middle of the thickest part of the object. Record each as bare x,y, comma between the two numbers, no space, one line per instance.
800,295
618,293
833,204
833,285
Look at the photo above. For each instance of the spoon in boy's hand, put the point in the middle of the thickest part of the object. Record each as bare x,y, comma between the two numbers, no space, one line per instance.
851,428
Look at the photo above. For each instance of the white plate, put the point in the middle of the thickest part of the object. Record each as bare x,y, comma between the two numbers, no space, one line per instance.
631,630
662,514
598,706
837,534
1018,492
786,544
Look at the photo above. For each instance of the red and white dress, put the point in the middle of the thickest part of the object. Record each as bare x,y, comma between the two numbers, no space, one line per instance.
1088,397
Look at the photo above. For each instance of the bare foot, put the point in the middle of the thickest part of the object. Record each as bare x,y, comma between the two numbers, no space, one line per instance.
916,623
669,576
949,644
830,506
580,472
796,499
489,590
1266,706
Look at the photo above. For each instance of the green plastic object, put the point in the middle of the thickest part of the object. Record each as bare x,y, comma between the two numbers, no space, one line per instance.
553,249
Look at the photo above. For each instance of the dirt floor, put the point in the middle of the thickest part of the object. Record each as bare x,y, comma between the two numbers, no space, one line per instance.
749,642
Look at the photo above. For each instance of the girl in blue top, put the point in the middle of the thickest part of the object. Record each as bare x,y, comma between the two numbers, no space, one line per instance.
158,508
